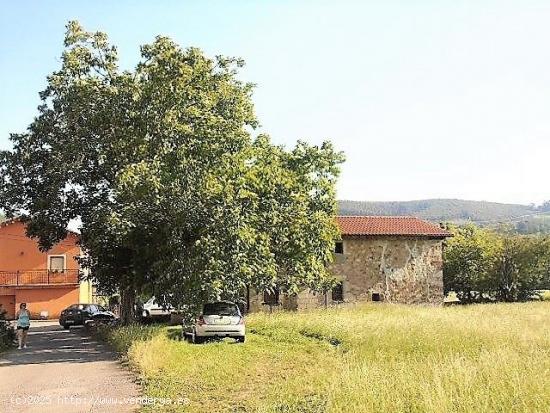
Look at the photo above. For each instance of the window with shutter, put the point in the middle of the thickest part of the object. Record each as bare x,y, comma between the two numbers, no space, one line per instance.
57,263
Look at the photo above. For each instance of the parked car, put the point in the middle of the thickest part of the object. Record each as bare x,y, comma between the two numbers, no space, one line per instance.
79,314
153,309
217,320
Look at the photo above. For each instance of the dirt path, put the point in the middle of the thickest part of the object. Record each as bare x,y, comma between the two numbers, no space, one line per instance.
64,372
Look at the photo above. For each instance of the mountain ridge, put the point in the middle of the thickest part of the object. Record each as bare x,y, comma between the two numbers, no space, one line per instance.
444,209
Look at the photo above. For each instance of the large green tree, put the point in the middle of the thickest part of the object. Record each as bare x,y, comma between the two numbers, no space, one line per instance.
482,265
470,258
523,267
174,193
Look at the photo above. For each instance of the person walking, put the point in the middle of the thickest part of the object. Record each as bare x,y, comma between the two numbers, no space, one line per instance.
23,317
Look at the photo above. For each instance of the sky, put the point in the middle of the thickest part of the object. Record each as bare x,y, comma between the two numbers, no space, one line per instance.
427,99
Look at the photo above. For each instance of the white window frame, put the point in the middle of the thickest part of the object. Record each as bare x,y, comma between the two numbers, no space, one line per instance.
64,256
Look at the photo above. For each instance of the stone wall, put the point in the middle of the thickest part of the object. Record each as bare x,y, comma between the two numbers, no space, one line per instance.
304,300
397,269
256,302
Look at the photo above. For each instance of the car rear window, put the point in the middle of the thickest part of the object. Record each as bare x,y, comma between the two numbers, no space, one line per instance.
221,309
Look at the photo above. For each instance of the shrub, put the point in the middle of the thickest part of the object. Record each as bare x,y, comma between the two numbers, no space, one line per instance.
7,333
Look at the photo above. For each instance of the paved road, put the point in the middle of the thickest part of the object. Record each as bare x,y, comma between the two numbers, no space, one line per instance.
64,372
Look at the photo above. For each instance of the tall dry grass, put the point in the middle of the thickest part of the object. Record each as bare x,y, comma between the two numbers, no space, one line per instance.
369,358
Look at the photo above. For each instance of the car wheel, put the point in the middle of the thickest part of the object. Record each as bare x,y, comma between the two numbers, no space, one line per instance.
196,339
240,339
66,327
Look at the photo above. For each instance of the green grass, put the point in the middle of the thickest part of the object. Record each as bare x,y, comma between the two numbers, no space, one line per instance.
369,358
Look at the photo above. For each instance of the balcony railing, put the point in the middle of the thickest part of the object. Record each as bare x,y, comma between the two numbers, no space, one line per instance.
38,277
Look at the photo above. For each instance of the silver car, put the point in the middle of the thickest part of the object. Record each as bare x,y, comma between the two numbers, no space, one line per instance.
152,309
218,320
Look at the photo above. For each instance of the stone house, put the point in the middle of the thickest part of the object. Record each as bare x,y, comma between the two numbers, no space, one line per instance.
379,258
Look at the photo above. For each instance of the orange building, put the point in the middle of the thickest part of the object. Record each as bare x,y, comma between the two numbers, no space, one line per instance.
47,281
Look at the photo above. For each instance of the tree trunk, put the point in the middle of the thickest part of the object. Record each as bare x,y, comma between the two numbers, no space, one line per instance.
127,301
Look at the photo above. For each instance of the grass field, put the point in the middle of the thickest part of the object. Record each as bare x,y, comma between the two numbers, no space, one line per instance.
369,358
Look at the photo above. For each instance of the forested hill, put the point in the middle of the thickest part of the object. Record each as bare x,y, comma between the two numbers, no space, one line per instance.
526,219
454,210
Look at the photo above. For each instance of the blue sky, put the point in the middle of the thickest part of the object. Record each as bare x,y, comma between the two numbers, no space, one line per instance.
428,99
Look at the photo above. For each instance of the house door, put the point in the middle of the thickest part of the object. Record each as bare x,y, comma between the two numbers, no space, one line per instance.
7,303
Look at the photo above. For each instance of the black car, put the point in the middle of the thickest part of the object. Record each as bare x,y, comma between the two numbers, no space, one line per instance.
78,314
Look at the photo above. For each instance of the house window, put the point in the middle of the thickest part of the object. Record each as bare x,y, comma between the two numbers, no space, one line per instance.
271,297
339,247
56,263
338,292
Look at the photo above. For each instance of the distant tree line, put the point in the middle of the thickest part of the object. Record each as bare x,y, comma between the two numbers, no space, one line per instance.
447,210
536,224
482,265
544,207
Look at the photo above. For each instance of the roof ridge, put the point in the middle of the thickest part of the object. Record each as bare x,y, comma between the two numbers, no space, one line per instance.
379,216
384,225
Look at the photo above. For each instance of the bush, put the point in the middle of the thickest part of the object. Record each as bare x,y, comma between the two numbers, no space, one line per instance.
7,333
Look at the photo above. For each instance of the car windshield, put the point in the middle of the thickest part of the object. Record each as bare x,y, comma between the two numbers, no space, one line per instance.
221,309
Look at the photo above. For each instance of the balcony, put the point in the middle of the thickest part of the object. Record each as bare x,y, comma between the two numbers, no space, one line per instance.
38,277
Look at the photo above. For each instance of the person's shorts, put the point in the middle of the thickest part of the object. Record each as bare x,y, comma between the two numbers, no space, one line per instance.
23,328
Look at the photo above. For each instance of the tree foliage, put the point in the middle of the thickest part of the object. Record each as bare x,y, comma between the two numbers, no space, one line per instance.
523,267
469,259
173,192
482,265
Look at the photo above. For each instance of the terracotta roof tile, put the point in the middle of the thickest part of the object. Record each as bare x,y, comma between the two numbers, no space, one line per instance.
388,225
